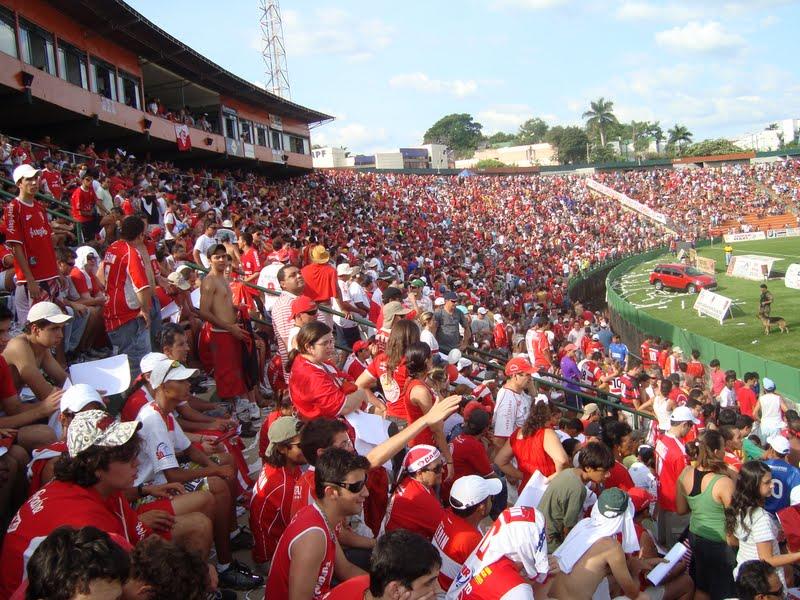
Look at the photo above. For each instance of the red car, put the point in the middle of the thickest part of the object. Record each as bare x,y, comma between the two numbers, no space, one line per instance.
681,277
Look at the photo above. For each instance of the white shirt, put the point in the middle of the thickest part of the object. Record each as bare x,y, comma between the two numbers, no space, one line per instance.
762,529
268,278
344,290
727,397
510,411
159,445
202,245
170,218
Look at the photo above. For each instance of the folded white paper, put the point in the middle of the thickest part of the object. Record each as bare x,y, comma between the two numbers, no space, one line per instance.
533,491
661,570
112,374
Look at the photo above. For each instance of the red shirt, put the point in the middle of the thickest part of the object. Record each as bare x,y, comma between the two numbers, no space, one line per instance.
27,224
39,459
355,587
677,395
414,507
495,581
414,413
125,274
83,203
308,519
500,336
695,369
746,399
251,263
619,477
353,367
133,404
391,385
54,183
270,509
455,539
303,493
469,458
531,456
7,388
670,461
315,391
321,282
78,277
56,504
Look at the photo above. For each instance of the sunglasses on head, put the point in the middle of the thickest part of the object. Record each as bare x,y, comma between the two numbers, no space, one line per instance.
353,488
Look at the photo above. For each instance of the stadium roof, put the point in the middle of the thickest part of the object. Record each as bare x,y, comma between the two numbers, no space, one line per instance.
132,30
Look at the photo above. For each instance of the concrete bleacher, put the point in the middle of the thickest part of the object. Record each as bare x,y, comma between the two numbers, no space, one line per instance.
757,223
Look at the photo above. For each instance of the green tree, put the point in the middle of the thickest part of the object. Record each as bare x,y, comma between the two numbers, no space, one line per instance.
501,137
457,131
640,136
679,136
570,143
599,116
655,132
600,155
490,163
532,131
712,148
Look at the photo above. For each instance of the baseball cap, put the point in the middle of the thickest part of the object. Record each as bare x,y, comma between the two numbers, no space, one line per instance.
282,430
183,268
46,311
589,410
498,318
677,350
392,310
25,171
454,356
360,345
683,413
471,490
417,283
169,370
149,361
463,363
212,250
227,223
78,396
612,502
419,457
451,296
178,280
779,443
595,336
97,428
482,311
439,301
519,365
640,497
768,383
302,304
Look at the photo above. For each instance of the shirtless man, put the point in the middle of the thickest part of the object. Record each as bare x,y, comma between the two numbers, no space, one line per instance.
216,307
591,552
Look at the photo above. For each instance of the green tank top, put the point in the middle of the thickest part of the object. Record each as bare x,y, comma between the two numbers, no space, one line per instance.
707,519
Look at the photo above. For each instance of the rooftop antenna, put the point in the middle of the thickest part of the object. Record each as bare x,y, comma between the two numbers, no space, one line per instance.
273,50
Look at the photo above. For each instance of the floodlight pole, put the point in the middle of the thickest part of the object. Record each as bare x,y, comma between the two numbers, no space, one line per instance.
273,50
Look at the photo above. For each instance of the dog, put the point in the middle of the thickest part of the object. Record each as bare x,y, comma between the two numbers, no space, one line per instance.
768,322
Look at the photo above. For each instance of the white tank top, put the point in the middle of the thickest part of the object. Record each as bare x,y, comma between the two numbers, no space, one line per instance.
771,408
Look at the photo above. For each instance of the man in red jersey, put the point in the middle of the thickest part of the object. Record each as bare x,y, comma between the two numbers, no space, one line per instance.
51,180
403,565
127,309
308,553
745,396
83,203
30,238
670,461
457,534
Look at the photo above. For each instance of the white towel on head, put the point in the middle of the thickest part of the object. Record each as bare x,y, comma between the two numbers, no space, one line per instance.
593,528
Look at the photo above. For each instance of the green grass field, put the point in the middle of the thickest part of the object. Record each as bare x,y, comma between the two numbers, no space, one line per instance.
742,330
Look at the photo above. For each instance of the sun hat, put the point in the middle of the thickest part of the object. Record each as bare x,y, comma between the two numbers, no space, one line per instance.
150,360
392,310
320,255
97,428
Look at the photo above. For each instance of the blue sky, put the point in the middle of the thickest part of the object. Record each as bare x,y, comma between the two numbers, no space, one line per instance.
389,70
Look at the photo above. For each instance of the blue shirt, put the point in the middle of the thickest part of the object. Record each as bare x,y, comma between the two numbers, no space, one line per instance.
604,337
618,352
785,478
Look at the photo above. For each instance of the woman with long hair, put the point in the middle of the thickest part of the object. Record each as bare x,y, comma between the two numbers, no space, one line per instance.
418,398
535,446
389,369
316,387
706,490
747,522
428,334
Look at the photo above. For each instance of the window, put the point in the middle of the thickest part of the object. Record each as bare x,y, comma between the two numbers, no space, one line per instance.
247,131
38,49
231,128
277,143
104,79
296,144
129,90
261,135
72,65
8,36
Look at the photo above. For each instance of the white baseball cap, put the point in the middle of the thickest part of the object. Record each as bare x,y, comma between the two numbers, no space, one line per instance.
344,269
169,370
25,172
439,301
150,360
46,311
683,413
78,397
470,490
454,356
780,444
463,363
482,311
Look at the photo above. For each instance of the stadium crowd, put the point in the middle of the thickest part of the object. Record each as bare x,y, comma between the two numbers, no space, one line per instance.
390,464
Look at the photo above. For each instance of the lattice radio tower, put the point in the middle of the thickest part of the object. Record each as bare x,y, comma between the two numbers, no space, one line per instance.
273,49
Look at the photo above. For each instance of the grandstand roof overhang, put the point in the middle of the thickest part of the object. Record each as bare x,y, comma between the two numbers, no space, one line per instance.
153,44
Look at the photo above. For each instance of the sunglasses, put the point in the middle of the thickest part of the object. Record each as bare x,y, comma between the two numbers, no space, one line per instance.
311,312
353,488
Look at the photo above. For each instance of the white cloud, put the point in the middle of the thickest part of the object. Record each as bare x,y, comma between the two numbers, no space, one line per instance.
422,83
334,32
769,21
358,138
529,4
700,37
647,11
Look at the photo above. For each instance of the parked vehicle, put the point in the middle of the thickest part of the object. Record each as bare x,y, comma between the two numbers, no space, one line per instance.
681,277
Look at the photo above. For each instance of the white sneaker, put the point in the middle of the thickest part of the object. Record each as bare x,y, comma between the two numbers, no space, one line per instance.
243,409
255,412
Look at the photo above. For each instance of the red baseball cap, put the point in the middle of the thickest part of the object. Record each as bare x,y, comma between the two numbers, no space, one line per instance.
360,345
302,304
640,497
519,365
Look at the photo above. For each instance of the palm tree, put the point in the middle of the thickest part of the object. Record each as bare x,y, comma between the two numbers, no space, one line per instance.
654,130
679,135
600,116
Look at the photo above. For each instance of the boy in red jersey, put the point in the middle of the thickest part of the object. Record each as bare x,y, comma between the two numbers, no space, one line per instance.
308,553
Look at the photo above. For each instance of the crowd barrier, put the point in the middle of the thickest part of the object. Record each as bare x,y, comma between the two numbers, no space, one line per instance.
632,324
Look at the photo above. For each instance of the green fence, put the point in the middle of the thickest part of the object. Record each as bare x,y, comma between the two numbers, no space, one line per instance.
631,323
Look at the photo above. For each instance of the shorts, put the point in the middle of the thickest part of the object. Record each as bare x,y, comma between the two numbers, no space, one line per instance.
165,504
226,351
711,567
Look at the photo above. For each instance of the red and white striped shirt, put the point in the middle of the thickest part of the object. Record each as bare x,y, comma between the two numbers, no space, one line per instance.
125,275
282,322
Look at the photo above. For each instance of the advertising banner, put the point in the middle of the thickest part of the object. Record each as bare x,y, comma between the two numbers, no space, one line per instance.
744,237
712,304
233,147
792,279
629,202
781,233
249,150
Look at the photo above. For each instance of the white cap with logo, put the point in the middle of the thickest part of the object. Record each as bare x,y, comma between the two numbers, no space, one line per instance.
169,370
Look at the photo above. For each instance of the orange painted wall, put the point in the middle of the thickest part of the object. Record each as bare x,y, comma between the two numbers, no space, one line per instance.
48,18
247,112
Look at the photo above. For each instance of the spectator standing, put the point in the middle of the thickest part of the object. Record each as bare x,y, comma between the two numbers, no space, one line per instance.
84,205
449,323
513,403
322,283
204,242
769,410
